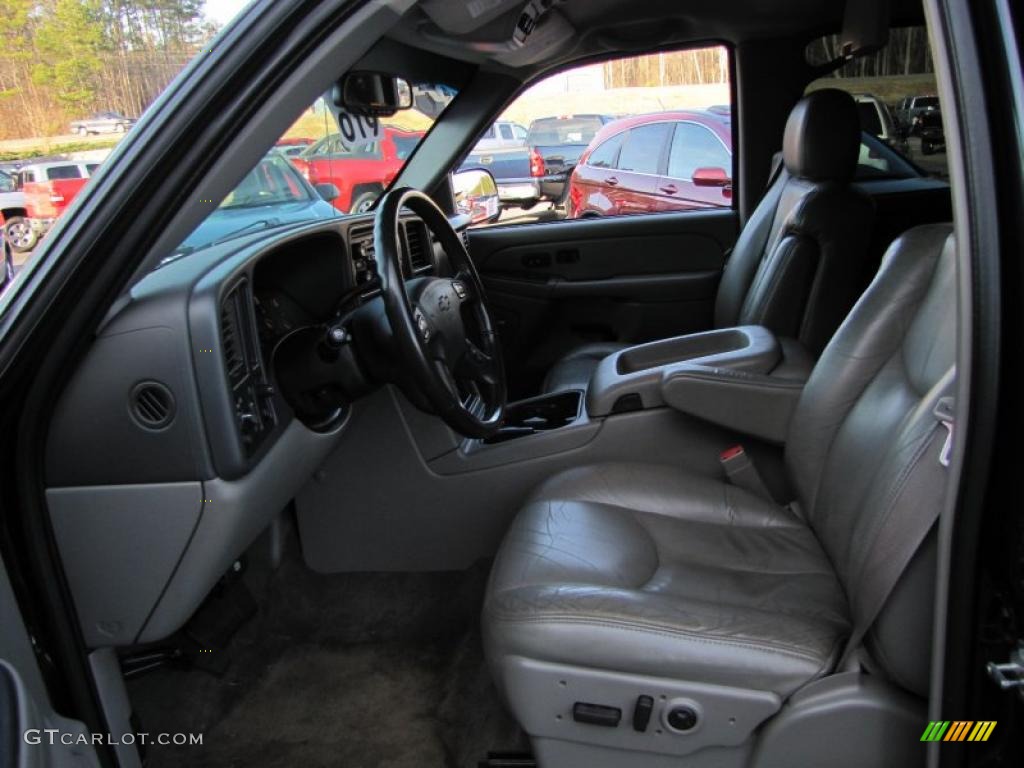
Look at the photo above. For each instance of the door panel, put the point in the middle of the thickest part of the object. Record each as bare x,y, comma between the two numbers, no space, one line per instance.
553,286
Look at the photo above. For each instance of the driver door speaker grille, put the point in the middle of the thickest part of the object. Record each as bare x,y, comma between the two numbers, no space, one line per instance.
152,405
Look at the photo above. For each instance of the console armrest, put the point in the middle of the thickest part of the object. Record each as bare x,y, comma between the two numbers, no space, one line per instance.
754,404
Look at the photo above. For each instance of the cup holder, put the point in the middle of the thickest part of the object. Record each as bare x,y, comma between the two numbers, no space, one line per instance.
539,414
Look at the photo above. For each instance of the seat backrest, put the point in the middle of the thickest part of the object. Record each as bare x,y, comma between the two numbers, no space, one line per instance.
801,260
857,442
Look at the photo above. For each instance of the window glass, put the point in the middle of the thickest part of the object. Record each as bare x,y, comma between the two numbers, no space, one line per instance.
314,172
64,172
642,150
895,92
694,146
577,124
606,154
506,131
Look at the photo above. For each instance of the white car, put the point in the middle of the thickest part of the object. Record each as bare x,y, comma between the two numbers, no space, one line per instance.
502,133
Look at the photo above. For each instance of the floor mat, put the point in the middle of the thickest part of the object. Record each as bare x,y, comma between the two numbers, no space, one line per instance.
352,670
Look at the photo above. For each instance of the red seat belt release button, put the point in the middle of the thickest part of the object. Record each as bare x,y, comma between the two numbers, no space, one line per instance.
741,472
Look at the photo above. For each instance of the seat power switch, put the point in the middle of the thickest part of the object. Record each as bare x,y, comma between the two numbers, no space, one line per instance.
642,713
596,714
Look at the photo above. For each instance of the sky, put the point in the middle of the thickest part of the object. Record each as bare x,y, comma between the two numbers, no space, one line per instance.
222,11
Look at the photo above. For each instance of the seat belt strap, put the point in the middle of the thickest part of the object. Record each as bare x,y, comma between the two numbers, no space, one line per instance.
898,543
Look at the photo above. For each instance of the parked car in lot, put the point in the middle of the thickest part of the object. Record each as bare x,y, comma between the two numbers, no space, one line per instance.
501,133
912,106
360,174
663,161
877,119
103,122
273,194
292,147
48,188
12,214
540,169
928,125
678,161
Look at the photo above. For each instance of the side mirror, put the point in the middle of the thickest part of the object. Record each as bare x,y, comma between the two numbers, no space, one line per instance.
476,195
711,177
328,192
373,93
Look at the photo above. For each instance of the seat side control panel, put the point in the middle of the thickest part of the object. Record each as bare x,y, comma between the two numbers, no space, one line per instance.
596,714
642,713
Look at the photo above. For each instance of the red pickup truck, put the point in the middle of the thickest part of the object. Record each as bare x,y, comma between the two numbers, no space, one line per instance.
49,189
362,174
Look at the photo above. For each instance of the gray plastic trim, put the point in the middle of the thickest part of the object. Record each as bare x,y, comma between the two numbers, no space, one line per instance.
814,728
640,370
233,514
117,709
541,696
36,717
119,545
15,645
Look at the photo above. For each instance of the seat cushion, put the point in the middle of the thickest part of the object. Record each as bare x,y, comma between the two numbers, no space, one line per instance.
646,569
573,371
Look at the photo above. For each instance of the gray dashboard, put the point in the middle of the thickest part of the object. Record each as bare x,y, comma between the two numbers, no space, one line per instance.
172,448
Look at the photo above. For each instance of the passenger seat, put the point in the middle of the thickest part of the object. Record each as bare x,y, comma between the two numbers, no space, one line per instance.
801,260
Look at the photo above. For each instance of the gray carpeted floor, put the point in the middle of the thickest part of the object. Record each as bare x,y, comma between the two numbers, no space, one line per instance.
348,670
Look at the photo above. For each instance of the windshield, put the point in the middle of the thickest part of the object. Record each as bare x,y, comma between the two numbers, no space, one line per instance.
329,163
563,130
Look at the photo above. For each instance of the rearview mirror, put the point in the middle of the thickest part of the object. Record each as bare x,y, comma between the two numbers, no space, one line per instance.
711,177
476,195
373,93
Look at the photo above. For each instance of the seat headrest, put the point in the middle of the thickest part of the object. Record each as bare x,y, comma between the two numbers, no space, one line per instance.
822,139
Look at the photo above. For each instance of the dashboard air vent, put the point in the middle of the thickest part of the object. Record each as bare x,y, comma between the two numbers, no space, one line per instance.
418,244
250,394
151,405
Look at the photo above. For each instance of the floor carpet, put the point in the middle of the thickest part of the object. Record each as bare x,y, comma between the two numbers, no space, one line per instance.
347,671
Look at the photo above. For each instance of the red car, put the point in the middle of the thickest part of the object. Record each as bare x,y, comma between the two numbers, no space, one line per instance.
361,174
667,161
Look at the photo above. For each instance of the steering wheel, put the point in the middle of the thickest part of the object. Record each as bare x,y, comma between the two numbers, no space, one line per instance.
440,325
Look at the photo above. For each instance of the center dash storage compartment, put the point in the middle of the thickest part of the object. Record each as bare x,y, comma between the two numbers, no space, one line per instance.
538,414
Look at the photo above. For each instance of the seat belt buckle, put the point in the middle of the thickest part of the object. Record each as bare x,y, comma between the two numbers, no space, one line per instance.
741,472
943,412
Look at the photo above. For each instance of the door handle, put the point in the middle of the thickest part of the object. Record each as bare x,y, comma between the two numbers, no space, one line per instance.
670,189
611,181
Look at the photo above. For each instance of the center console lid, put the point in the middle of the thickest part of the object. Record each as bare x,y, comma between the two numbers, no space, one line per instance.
744,378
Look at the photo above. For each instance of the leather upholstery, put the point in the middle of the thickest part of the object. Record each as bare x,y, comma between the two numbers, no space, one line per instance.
651,570
801,260
822,138
648,570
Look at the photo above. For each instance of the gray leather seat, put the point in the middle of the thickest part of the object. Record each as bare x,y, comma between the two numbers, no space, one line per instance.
801,260
650,570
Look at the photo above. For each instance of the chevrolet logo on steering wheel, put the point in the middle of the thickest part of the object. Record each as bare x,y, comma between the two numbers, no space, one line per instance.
444,303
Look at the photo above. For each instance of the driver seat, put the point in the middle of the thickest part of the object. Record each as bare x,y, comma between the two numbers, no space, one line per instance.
622,581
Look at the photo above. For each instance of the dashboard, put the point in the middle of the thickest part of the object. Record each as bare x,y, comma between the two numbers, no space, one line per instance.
196,343
199,449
